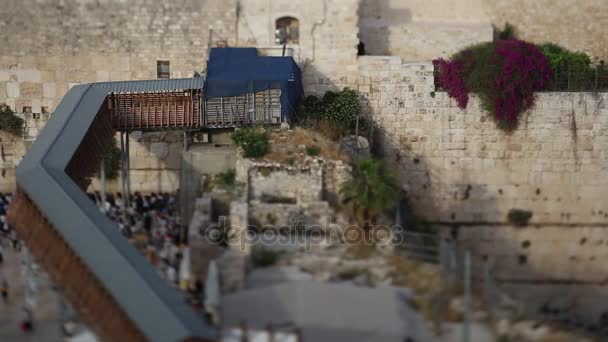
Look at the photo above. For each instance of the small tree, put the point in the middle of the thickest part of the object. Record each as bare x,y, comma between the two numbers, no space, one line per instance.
371,190
112,161
253,142
9,122
341,108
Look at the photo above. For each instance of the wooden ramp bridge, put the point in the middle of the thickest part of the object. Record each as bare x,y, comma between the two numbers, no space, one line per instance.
117,293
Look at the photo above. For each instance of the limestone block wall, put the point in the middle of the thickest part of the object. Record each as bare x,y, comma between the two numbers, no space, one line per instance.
312,215
422,30
579,25
550,253
155,163
12,150
67,42
458,167
299,184
555,266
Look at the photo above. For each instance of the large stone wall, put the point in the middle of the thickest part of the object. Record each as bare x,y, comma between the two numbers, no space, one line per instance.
458,166
327,49
50,46
423,29
577,25
550,266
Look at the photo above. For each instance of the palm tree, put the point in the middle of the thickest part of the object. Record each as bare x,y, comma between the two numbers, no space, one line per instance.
371,190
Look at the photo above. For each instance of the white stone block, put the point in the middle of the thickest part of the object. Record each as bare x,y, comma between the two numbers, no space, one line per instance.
49,90
4,75
36,106
103,76
12,89
28,75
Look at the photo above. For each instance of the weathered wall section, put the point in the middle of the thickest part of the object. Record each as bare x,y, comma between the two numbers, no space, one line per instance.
577,25
458,167
62,43
422,29
427,29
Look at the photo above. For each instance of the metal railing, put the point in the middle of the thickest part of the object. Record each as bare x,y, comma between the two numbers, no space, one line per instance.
567,79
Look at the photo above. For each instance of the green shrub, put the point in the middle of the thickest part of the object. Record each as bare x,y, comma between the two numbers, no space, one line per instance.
9,122
253,142
265,257
372,189
112,161
519,217
313,150
227,180
508,32
313,106
561,58
341,107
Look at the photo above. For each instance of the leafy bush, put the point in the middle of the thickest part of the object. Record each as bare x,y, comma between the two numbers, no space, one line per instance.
312,150
253,142
227,180
341,107
112,161
562,58
332,115
372,189
9,122
508,32
519,217
265,257
313,105
505,74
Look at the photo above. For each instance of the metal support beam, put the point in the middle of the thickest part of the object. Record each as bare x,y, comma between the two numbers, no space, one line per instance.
123,174
127,170
102,172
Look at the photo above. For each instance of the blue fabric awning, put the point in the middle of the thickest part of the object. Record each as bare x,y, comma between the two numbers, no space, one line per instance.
238,71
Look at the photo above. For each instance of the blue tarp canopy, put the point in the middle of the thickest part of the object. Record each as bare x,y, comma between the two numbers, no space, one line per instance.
238,71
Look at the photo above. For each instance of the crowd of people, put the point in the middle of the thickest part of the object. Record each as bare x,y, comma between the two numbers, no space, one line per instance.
9,239
151,222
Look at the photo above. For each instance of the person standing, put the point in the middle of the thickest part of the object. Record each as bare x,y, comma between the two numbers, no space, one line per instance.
4,290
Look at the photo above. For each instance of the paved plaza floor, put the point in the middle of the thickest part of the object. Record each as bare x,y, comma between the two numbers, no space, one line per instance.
46,307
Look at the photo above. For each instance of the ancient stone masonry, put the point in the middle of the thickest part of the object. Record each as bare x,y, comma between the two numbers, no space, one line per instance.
579,27
459,167
422,30
426,29
50,46
291,196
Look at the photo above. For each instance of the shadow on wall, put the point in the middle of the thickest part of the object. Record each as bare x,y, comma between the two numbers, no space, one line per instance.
554,267
375,19
155,161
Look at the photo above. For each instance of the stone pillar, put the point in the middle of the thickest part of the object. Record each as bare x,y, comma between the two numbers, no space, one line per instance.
239,212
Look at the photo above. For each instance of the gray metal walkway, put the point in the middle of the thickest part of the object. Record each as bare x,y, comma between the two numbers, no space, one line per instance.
116,291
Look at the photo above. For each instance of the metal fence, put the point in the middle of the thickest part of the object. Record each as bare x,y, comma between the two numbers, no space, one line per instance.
568,78
574,79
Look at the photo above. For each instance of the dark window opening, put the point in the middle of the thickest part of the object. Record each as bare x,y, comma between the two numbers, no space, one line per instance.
361,49
287,31
27,109
163,69
36,116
